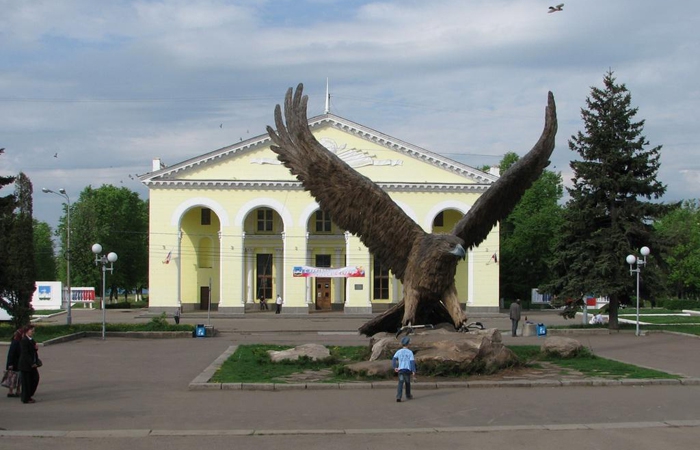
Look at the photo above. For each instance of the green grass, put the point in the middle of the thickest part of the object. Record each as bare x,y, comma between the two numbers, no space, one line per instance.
665,319
48,332
252,364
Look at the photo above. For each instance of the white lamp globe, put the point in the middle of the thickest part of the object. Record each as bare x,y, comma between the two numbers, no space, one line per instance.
96,248
631,259
644,251
112,257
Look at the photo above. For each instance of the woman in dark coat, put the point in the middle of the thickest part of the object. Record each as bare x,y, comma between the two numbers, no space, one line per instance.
13,363
28,363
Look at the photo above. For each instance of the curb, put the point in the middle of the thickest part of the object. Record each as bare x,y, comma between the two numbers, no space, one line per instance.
145,433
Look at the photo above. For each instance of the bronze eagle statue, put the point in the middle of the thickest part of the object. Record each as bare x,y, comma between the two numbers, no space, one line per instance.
425,263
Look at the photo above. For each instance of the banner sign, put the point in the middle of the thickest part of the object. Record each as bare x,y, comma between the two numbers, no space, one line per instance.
328,272
82,294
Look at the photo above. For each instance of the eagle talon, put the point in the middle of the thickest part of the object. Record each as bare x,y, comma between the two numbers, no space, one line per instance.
410,328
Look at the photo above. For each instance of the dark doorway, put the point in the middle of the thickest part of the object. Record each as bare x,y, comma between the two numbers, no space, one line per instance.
204,297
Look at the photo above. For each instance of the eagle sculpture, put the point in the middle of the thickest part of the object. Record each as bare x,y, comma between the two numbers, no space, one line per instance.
425,263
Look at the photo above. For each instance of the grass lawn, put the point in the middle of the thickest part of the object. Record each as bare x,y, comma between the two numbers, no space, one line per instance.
48,332
695,320
251,364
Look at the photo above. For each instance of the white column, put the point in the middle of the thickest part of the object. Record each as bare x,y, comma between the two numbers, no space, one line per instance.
250,282
309,280
279,272
338,282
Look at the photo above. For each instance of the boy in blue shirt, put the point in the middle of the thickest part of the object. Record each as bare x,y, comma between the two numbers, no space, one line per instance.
404,364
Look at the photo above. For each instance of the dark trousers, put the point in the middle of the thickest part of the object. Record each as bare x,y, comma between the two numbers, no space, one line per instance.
514,327
279,308
30,382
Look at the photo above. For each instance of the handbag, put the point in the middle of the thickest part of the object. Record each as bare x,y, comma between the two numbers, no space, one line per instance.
5,379
10,379
38,362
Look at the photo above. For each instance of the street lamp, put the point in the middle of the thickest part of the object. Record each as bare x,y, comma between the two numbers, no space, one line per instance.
104,260
641,261
62,193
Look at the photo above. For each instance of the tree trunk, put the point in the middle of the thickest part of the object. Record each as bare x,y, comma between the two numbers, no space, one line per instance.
613,308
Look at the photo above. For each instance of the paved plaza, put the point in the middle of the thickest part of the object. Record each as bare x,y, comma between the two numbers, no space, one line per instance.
127,391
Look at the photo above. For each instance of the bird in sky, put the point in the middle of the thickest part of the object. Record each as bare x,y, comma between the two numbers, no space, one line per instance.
424,262
55,155
553,9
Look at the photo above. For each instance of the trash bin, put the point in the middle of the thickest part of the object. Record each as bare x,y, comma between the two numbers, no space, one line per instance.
529,329
200,330
541,329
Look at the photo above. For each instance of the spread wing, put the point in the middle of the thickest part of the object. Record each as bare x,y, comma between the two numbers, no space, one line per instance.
354,202
500,199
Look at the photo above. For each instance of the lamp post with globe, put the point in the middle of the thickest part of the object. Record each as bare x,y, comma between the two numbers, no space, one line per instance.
104,260
639,262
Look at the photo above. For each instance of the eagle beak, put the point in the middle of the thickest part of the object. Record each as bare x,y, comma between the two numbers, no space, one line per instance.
459,251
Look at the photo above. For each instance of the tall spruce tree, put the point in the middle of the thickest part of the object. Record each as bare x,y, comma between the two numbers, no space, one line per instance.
7,208
609,214
20,269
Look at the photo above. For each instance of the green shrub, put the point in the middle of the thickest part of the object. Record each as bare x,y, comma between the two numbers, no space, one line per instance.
677,304
158,323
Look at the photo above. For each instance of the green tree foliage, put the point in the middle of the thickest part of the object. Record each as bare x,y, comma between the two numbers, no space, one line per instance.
44,255
19,283
609,214
528,235
681,229
7,207
117,219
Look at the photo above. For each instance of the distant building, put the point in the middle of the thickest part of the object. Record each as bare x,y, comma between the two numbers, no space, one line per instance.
233,225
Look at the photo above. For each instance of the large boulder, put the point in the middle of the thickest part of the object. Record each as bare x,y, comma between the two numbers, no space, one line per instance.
376,369
445,352
563,347
313,351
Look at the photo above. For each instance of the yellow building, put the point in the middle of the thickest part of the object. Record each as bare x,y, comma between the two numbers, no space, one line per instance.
230,226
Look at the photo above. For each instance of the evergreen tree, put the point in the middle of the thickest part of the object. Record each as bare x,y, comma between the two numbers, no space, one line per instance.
20,269
7,207
609,214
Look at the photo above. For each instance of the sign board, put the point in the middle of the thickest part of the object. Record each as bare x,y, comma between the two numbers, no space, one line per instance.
328,272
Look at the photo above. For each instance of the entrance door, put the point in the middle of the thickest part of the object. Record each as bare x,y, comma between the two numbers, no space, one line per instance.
323,293
204,297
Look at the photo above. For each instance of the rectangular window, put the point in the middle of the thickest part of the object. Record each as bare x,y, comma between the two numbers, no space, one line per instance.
380,281
323,222
264,275
206,216
323,260
265,220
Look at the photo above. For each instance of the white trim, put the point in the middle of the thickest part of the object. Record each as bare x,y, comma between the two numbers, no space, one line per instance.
264,202
449,204
188,204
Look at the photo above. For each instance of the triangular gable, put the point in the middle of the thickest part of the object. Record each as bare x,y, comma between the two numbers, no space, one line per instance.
360,146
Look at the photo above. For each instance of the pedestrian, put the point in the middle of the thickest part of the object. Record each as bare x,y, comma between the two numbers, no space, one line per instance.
176,316
12,365
29,363
515,310
263,303
404,364
278,304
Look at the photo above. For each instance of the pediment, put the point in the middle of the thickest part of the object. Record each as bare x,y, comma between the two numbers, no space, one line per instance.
382,158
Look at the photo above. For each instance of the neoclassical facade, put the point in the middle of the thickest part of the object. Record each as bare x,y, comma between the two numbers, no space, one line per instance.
232,226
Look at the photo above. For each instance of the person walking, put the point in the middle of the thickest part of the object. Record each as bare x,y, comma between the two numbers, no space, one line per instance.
278,304
515,311
12,365
404,364
176,316
28,365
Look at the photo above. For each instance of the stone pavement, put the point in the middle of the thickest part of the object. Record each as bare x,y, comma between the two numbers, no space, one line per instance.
140,387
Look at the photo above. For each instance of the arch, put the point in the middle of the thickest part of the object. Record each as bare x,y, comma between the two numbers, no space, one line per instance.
449,204
282,210
188,204
313,206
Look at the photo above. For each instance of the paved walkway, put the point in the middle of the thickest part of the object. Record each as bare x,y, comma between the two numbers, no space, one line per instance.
139,387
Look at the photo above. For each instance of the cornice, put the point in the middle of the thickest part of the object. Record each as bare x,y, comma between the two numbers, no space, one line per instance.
297,186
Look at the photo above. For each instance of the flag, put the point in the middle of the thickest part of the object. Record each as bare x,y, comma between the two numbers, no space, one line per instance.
495,258
167,258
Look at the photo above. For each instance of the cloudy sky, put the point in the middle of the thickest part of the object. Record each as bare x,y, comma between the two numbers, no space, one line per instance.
92,91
